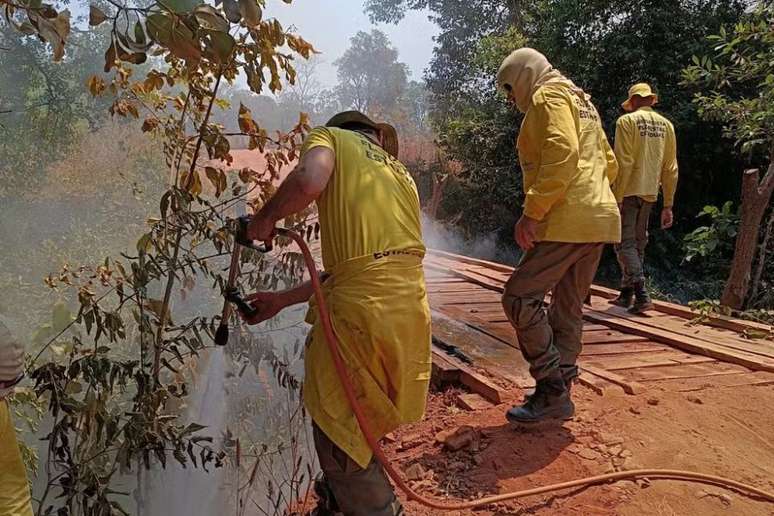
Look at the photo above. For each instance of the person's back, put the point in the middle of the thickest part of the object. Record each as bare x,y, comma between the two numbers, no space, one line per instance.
646,157
374,288
582,207
370,205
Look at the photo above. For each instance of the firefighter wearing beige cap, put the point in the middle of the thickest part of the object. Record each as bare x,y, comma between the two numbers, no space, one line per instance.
14,488
646,150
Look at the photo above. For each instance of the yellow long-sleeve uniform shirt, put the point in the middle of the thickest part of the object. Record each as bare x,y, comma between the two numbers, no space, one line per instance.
567,167
372,247
646,149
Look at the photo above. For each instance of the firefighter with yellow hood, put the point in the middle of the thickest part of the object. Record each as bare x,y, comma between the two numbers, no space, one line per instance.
569,214
374,286
14,487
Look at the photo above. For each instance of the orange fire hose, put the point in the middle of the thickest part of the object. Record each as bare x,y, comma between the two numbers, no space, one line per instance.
333,345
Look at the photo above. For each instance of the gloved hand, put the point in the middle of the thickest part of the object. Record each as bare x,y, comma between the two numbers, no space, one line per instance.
11,361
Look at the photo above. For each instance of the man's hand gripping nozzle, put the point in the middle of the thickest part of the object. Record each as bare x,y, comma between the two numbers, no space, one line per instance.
231,293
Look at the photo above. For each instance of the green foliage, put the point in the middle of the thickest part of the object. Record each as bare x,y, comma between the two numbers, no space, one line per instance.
716,240
604,46
44,107
737,81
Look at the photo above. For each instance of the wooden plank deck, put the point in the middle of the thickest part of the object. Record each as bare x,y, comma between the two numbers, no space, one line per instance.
666,349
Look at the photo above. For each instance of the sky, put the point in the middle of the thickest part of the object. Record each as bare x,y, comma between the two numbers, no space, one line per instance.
329,24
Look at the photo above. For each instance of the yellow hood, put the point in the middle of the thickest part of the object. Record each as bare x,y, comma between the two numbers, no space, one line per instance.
522,73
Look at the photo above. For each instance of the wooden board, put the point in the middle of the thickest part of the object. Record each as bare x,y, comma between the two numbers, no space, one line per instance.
596,383
620,350
503,271
685,342
629,386
472,401
717,320
660,374
643,360
608,336
467,376
500,359
626,348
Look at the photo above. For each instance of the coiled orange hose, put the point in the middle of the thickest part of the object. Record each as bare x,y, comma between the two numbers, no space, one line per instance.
333,345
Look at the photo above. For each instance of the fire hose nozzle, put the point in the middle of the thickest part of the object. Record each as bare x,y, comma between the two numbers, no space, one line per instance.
240,235
231,292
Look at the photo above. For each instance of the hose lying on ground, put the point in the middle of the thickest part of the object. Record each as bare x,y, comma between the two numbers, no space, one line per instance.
333,345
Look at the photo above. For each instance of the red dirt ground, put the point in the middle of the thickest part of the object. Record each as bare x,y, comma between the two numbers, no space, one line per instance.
722,431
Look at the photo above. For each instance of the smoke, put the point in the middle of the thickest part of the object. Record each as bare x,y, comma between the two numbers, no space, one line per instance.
445,237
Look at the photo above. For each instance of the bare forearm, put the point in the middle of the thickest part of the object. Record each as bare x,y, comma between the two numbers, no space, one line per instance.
291,197
301,293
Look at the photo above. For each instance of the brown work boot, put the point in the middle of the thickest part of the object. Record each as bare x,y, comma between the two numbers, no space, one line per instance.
642,301
624,298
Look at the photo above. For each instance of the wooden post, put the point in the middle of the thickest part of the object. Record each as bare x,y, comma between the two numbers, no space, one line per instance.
755,200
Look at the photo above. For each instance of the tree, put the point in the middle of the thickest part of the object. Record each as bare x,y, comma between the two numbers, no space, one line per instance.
740,78
371,79
115,371
604,46
44,106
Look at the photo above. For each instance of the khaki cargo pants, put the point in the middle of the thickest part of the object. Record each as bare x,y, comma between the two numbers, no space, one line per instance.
635,213
356,491
550,339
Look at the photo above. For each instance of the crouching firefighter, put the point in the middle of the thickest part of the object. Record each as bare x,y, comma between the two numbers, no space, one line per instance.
374,284
569,214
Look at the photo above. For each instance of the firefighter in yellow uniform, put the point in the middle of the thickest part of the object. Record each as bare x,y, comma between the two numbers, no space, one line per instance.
374,286
569,214
14,487
646,149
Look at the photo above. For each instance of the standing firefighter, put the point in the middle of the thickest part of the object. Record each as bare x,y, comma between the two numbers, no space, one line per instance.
372,253
14,488
647,157
569,214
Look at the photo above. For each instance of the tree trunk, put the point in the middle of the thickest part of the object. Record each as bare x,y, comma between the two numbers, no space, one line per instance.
755,200
437,196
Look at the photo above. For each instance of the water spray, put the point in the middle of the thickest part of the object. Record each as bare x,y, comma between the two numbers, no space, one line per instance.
232,295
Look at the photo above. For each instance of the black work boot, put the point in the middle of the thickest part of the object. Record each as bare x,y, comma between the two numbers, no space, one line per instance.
551,400
624,298
642,301
569,377
326,502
